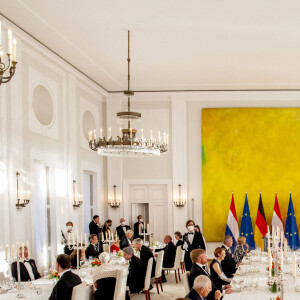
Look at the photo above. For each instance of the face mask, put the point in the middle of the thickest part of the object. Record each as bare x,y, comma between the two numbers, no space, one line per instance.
191,228
122,223
109,225
141,220
69,227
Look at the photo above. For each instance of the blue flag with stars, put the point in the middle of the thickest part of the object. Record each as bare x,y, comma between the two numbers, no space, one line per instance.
246,226
291,230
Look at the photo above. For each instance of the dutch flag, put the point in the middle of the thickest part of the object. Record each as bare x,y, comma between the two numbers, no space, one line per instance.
232,227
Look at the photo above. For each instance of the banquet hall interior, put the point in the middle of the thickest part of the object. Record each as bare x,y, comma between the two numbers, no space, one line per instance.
211,90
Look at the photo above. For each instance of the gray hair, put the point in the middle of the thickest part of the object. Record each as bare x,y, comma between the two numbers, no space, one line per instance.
129,231
227,238
128,250
200,282
104,257
138,241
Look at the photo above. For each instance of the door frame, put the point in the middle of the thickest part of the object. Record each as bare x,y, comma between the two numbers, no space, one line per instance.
126,192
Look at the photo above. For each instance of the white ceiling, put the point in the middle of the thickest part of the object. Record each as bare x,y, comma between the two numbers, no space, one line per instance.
175,45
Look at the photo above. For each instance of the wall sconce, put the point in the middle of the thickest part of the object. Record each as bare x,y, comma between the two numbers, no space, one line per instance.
23,197
77,198
114,202
180,201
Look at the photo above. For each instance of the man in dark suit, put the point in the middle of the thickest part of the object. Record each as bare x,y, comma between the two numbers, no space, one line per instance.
64,286
199,260
191,240
126,239
95,228
178,237
28,269
229,266
145,254
92,249
139,228
201,289
122,228
136,271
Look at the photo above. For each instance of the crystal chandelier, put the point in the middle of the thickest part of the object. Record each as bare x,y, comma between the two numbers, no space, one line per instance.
128,144
12,58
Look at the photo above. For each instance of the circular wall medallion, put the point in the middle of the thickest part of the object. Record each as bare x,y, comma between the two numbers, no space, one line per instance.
43,106
88,123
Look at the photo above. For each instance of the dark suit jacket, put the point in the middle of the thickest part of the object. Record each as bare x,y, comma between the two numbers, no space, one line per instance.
179,243
105,288
64,286
94,228
169,255
145,254
197,243
91,251
124,242
136,231
24,275
193,295
228,264
136,275
120,230
196,271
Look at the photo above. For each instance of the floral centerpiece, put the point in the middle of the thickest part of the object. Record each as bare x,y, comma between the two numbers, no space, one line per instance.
155,244
120,253
53,275
96,262
273,269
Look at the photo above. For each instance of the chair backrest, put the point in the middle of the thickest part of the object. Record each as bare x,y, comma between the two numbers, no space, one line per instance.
182,256
178,258
105,248
186,282
82,291
159,262
120,288
148,274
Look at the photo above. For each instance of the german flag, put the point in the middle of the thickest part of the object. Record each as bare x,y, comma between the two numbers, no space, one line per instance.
261,227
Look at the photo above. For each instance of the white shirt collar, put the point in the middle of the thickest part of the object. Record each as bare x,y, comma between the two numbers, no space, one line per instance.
227,248
62,273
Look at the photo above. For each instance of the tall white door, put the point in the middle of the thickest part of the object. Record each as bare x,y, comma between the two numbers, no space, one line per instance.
151,201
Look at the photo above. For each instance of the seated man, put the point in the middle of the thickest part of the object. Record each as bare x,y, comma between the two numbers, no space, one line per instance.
28,269
92,249
145,254
229,265
104,278
201,289
122,228
126,239
136,271
64,286
199,260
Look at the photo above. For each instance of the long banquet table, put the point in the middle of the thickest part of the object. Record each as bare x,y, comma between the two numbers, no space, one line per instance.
250,281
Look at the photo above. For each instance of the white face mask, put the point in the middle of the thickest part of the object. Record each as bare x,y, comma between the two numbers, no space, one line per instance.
191,228
141,220
69,227
122,223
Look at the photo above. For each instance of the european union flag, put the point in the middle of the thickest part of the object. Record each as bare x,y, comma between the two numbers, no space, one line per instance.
246,226
291,230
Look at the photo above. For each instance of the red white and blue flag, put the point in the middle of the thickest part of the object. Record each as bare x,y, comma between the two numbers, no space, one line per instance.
232,227
277,220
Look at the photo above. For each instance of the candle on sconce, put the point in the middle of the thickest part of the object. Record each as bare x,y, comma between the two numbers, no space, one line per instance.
121,132
167,139
27,245
164,137
159,138
109,133
23,250
90,136
151,137
6,247
101,133
14,50
142,133
94,134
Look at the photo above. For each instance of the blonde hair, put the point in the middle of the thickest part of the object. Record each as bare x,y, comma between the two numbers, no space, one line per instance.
195,254
241,240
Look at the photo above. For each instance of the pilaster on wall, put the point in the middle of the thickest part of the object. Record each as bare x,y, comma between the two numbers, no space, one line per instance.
114,164
179,158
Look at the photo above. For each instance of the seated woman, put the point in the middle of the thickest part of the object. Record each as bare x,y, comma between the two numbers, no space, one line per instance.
73,257
216,268
115,247
239,251
104,278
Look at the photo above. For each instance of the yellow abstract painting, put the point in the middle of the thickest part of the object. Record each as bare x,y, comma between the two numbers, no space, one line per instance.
253,150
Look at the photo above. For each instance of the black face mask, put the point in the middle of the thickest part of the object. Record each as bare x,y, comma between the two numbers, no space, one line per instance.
109,225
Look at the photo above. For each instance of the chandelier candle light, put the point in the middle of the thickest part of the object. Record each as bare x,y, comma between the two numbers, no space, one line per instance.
12,58
128,144
77,198
114,202
180,201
